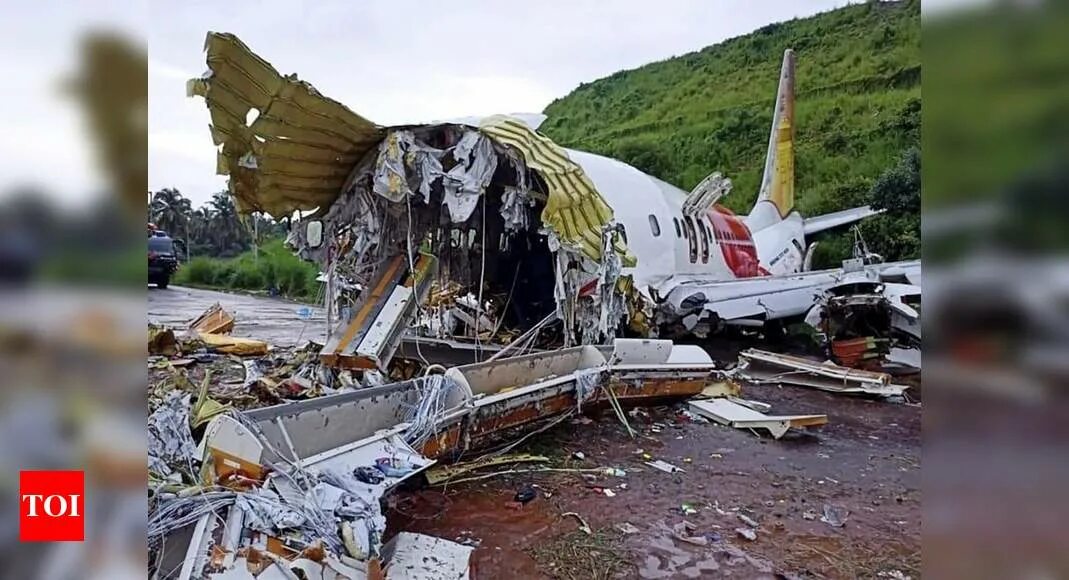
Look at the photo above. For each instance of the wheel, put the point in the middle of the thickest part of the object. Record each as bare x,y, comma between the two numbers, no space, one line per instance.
163,281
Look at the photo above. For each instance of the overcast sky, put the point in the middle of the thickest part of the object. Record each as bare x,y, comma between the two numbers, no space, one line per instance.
396,62
392,61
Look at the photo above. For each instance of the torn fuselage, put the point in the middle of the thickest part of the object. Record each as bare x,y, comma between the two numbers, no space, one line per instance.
456,193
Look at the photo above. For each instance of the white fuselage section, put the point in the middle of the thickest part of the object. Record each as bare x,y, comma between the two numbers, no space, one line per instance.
660,236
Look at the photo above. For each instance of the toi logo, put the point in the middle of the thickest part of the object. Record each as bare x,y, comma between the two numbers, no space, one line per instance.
51,506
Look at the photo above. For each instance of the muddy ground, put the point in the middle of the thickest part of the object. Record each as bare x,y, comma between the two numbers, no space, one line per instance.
866,460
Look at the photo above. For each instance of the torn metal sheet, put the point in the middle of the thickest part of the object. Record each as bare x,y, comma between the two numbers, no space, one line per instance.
412,556
739,416
766,367
214,320
468,179
370,339
301,143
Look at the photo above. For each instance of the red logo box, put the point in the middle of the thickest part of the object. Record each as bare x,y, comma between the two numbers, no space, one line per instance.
51,506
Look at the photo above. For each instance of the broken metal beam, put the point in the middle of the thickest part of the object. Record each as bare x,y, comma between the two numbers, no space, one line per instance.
370,339
730,413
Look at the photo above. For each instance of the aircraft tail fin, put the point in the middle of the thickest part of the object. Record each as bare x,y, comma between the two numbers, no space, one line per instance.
777,185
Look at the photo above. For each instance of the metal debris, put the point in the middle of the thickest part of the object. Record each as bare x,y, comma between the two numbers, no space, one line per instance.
729,413
214,320
665,466
760,367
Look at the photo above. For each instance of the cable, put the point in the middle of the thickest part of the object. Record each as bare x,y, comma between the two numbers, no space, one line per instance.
482,282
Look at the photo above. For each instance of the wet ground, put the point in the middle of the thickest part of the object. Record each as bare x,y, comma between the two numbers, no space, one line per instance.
277,321
865,464
865,461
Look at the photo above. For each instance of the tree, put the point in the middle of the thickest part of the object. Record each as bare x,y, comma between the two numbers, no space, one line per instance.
170,211
896,233
226,231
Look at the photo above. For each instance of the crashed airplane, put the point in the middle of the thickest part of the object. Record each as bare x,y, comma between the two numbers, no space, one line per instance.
484,229
478,229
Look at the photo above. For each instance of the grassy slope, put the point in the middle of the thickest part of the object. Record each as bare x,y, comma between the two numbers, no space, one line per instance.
857,107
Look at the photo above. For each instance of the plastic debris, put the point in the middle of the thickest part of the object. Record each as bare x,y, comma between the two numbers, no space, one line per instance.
835,516
747,533
526,494
627,528
664,466
748,520
682,532
583,526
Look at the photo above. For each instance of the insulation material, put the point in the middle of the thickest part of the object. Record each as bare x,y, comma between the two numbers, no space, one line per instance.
390,179
466,181
169,439
574,210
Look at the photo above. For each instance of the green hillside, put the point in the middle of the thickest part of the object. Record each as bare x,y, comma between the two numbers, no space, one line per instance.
858,104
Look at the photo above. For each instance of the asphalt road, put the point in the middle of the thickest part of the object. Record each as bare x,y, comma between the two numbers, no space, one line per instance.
279,322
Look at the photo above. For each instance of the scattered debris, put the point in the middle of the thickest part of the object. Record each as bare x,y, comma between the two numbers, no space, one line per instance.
738,416
420,557
665,466
234,345
760,366
627,528
583,526
161,341
835,516
682,532
444,473
526,494
747,533
748,520
214,320
687,509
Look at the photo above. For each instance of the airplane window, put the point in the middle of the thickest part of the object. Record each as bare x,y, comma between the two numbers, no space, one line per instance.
678,233
705,242
655,227
688,226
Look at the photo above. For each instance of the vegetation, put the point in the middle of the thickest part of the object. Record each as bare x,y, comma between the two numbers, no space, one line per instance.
858,109
275,270
214,229
224,253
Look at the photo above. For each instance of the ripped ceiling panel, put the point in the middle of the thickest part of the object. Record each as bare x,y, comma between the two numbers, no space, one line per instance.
297,152
574,208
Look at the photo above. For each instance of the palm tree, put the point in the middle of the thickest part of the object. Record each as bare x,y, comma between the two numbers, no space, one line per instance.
226,229
170,211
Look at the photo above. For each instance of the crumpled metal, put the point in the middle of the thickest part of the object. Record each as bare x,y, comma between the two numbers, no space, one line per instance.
467,180
390,179
170,441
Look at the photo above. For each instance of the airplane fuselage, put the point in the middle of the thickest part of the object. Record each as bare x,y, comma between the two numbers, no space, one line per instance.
715,245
